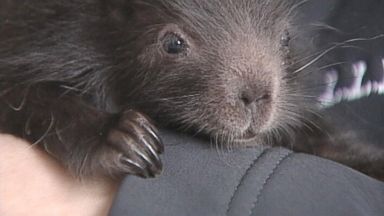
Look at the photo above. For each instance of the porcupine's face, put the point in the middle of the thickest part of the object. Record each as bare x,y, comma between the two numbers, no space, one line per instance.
219,67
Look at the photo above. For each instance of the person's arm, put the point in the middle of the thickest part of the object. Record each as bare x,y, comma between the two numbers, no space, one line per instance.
32,183
199,179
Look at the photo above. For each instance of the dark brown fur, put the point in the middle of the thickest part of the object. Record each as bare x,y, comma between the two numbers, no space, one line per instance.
77,76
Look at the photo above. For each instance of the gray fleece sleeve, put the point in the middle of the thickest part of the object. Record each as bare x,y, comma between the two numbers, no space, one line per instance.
199,179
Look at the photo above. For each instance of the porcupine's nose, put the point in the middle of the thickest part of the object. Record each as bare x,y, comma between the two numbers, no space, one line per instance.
252,94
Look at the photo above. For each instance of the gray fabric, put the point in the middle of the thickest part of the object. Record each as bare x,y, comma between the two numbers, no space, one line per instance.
199,180
306,185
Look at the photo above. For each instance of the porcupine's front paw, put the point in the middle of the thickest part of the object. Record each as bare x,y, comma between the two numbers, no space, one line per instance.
132,147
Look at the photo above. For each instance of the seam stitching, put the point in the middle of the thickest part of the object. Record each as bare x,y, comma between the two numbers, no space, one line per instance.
242,178
267,180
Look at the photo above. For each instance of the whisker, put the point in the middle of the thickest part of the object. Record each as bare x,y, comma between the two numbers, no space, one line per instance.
46,133
326,51
296,6
332,65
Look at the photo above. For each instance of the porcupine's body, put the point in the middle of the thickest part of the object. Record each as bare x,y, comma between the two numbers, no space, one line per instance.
78,78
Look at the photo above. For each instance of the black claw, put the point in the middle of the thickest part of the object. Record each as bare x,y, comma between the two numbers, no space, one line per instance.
148,173
146,123
151,149
153,163
153,133
143,156
143,142
131,163
152,174
136,168
149,154
153,153
141,174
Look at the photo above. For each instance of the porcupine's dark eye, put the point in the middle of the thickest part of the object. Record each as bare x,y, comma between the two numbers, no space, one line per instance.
174,44
285,39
